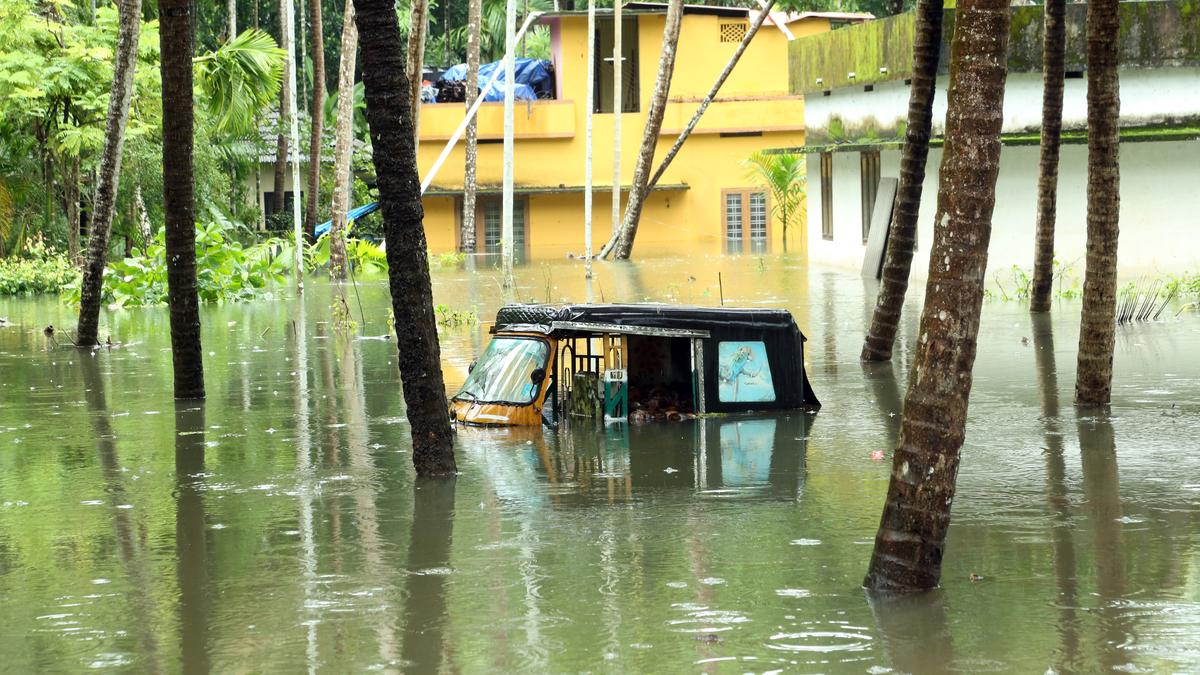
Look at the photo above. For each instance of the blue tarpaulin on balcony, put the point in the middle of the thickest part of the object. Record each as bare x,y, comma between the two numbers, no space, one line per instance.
534,78
353,215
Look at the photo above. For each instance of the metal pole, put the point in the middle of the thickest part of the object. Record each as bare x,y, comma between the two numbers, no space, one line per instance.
506,236
618,107
591,97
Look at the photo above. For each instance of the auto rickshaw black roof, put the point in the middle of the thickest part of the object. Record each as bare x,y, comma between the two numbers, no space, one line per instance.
676,319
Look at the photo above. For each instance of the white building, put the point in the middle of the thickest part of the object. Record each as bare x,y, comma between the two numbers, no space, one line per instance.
855,82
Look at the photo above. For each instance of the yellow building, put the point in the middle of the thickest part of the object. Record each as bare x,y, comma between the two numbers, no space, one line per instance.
704,196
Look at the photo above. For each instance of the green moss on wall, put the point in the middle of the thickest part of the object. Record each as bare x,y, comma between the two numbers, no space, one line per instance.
1153,34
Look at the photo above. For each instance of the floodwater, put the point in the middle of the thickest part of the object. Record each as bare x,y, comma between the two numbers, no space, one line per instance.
278,526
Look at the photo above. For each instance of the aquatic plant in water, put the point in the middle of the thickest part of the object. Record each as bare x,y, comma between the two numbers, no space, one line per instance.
225,270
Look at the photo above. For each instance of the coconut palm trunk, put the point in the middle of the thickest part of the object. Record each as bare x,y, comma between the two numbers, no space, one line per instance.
712,94
1097,331
231,17
130,17
286,93
343,145
416,60
175,29
1053,72
317,117
389,115
466,237
621,246
912,531
902,236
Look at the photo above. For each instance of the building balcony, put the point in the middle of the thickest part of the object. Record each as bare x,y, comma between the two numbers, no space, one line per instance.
532,120
736,115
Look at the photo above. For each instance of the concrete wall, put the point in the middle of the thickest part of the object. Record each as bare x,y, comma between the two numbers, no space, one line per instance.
1160,209
1149,96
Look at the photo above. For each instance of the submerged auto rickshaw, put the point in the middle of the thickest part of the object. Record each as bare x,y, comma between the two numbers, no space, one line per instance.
639,362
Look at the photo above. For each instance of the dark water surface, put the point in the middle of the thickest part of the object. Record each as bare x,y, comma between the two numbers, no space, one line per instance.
278,526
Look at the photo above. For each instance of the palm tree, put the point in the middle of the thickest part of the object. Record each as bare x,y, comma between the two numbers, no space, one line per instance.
231,17
712,93
1097,331
912,530
175,29
286,93
621,244
318,118
342,145
239,80
782,174
1053,72
466,239
389,115
416,60
902,236
130,17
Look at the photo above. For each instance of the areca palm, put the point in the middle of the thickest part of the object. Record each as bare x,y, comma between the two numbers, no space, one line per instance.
782,174
240,79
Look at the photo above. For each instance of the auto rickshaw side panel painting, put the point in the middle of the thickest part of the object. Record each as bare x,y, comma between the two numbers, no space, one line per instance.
642,361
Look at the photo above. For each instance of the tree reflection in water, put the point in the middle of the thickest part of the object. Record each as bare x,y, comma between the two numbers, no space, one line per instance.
1057,495
191,546
127,527
428,564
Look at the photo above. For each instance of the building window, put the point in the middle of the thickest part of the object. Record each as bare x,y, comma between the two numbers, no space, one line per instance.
733,32
604,65
869,165
827,195
490,223
746,219
280,216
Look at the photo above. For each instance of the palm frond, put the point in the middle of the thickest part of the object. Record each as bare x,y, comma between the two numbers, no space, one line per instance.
240,79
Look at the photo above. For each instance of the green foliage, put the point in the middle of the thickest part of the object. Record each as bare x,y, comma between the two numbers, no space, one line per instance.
1065,282
449,259
39,270
450,317
226,271
360,253
240,79
782,174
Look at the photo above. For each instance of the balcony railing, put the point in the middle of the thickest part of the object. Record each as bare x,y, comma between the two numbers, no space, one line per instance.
532,119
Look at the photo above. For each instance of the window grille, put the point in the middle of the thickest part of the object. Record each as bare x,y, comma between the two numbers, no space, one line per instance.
733,32
758,222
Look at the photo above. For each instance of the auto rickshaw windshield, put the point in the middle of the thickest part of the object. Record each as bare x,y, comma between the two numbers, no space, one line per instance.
502,374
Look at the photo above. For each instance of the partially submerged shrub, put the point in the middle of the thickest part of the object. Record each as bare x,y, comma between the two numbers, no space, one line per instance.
226,271
39,269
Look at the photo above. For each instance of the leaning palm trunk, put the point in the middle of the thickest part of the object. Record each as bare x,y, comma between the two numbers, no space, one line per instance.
902,237
912,531
466,238
621,245
1097,331
1053,72
175,29
342,149
318,120
130,12
712,94
395,157
416,60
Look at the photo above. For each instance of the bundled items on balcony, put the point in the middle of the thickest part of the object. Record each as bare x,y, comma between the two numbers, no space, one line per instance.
533,79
